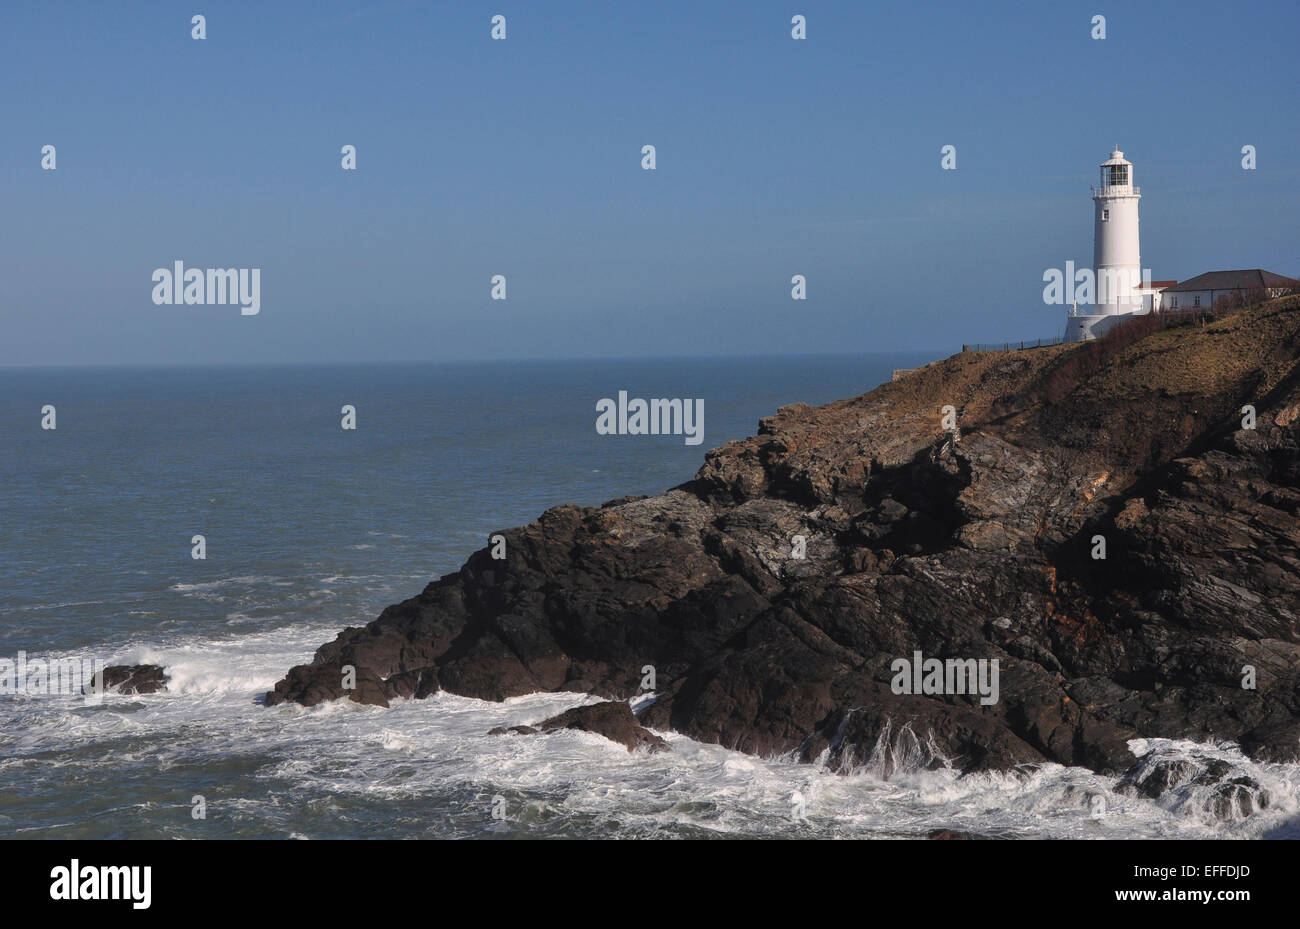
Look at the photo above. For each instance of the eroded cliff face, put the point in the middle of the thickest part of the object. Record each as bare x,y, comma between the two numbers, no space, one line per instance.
973,545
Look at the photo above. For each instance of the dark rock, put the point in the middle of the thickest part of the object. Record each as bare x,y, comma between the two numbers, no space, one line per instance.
1211,786
975,546
1154,780
905,734
135,679
613,719
1277,741
315,683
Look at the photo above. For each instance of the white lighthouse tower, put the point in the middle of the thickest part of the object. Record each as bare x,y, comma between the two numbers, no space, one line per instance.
1116,255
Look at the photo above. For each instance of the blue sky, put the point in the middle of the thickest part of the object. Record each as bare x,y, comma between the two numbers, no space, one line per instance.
522,157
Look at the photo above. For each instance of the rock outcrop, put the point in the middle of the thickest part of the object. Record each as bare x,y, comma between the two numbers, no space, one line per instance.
135,679
773,593
612,719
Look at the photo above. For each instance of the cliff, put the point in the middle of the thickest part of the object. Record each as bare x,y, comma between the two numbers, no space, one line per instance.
974,545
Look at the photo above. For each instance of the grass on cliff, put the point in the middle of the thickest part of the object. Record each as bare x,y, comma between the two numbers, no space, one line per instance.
1252,349
1150,391
1134,398
1147,391
1246,353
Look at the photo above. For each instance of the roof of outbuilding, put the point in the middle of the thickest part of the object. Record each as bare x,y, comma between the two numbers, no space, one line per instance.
1234,280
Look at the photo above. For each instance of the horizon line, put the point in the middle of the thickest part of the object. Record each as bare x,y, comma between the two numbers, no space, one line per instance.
462,361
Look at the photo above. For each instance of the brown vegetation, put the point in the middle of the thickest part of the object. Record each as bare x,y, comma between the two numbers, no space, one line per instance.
1095,355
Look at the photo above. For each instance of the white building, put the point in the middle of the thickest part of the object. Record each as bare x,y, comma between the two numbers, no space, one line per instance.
1119,293
1204,289
1116,255
1153,295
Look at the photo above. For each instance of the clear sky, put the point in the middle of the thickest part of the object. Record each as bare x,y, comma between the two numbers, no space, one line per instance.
522,157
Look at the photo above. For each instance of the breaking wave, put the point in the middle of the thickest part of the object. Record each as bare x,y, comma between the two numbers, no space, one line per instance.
428,768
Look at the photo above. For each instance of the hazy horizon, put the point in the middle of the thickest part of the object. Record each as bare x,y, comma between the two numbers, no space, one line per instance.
367,362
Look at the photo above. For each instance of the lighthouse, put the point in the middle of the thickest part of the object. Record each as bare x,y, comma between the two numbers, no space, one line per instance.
1116,255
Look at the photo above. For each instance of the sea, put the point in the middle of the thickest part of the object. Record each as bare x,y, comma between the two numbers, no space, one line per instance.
309,528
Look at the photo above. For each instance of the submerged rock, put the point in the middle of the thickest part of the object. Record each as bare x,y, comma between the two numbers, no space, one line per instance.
772,593
1213,787
613,719
135,679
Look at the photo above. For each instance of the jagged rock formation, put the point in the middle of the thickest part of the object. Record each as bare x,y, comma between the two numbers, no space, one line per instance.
977,545
135,679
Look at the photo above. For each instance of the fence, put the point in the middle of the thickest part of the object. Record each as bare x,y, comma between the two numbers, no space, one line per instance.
1170,316
1011,346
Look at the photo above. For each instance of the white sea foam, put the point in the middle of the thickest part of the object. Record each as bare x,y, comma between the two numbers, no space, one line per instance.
38,607
435,756
244,581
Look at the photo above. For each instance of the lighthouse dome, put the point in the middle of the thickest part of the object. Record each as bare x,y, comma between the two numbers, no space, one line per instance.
1116,158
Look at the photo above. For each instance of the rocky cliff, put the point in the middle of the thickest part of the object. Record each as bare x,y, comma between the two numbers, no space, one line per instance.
977,543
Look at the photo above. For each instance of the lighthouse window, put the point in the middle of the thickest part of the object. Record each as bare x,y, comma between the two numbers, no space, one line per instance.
1105,215
1118,175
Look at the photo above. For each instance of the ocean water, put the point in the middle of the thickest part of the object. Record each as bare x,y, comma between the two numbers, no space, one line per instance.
310,528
